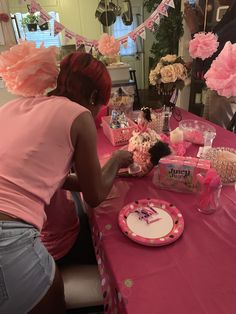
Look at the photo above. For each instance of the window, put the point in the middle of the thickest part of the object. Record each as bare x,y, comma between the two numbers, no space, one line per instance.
119,30
47,36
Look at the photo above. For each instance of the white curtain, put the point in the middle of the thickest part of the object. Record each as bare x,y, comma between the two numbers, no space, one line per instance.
7,37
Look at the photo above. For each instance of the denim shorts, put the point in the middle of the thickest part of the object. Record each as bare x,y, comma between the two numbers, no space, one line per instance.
26,268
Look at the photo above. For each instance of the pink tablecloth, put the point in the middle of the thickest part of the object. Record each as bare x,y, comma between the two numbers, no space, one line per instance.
194,275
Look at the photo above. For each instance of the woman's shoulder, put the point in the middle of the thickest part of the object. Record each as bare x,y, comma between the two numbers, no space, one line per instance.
64,104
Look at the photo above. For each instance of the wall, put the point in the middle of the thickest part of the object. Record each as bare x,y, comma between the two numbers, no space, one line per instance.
76,15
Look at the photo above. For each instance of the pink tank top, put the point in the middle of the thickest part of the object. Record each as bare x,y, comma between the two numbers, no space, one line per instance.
35,153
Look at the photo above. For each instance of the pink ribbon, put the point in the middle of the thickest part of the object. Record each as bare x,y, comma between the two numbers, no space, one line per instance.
209,184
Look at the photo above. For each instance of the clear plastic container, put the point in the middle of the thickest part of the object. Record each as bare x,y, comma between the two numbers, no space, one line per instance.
196,131
121,102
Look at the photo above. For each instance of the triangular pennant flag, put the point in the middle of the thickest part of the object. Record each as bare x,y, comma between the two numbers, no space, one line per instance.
123,40
43,17
149,23
162,9
132,35
58,27
88,46
69,34
79,40
141,31
154,14
158,20
34,7
170,3
95,43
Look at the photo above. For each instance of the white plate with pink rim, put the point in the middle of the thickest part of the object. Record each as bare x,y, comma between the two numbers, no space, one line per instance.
151,222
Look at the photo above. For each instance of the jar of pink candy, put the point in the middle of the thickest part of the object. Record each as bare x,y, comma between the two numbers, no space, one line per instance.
197,132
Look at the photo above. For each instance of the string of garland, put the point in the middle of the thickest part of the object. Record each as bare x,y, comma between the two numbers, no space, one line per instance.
169,31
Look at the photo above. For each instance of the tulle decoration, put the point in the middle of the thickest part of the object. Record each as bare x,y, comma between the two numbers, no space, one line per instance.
108,45
203,45
221,77
27,70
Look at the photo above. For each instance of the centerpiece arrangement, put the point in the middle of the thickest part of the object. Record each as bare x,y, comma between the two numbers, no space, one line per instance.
169,76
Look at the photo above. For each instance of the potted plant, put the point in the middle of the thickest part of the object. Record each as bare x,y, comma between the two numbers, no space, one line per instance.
44,26
30,21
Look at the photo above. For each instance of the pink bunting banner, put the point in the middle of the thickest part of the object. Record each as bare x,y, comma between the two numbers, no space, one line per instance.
58,27
141,31
158,20
170,3
79,40
69,34
88,45
132,35
43,17
95,43
34,7
149,23
162,9
123,41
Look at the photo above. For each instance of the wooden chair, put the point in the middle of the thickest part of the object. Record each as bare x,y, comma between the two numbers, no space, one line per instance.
82,287
82,283
232,124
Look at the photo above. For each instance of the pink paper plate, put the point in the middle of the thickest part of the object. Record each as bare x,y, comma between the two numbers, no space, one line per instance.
164,224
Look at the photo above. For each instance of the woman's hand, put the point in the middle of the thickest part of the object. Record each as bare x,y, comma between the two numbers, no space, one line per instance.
123,157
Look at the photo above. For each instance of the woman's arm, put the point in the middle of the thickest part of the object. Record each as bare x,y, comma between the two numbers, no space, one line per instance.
95,183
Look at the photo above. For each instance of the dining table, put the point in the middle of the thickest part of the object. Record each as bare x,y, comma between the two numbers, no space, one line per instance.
196,274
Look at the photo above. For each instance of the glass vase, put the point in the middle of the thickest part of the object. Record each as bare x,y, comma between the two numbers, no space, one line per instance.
208,201
166,119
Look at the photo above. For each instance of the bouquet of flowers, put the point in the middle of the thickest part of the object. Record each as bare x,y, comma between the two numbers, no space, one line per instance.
169,74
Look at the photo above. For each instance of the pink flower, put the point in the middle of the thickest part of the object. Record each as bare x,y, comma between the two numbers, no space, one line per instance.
203,45
27,70
108,45
4,17
222,75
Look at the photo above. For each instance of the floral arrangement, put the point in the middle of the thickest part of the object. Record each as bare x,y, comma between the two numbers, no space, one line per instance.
221,76
108,46
170,73
29,19
27,70
203,45
4,17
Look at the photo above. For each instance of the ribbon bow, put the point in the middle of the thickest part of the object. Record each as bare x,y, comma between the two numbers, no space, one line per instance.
209,184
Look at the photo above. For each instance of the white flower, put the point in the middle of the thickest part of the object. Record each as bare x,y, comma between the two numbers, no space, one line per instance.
153,77
169,58
168,74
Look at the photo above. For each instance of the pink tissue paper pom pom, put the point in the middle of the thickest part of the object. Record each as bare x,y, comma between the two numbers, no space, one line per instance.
221,76
203,45
27,70
108,45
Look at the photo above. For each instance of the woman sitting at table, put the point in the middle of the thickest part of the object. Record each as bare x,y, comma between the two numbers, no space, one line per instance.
41,137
